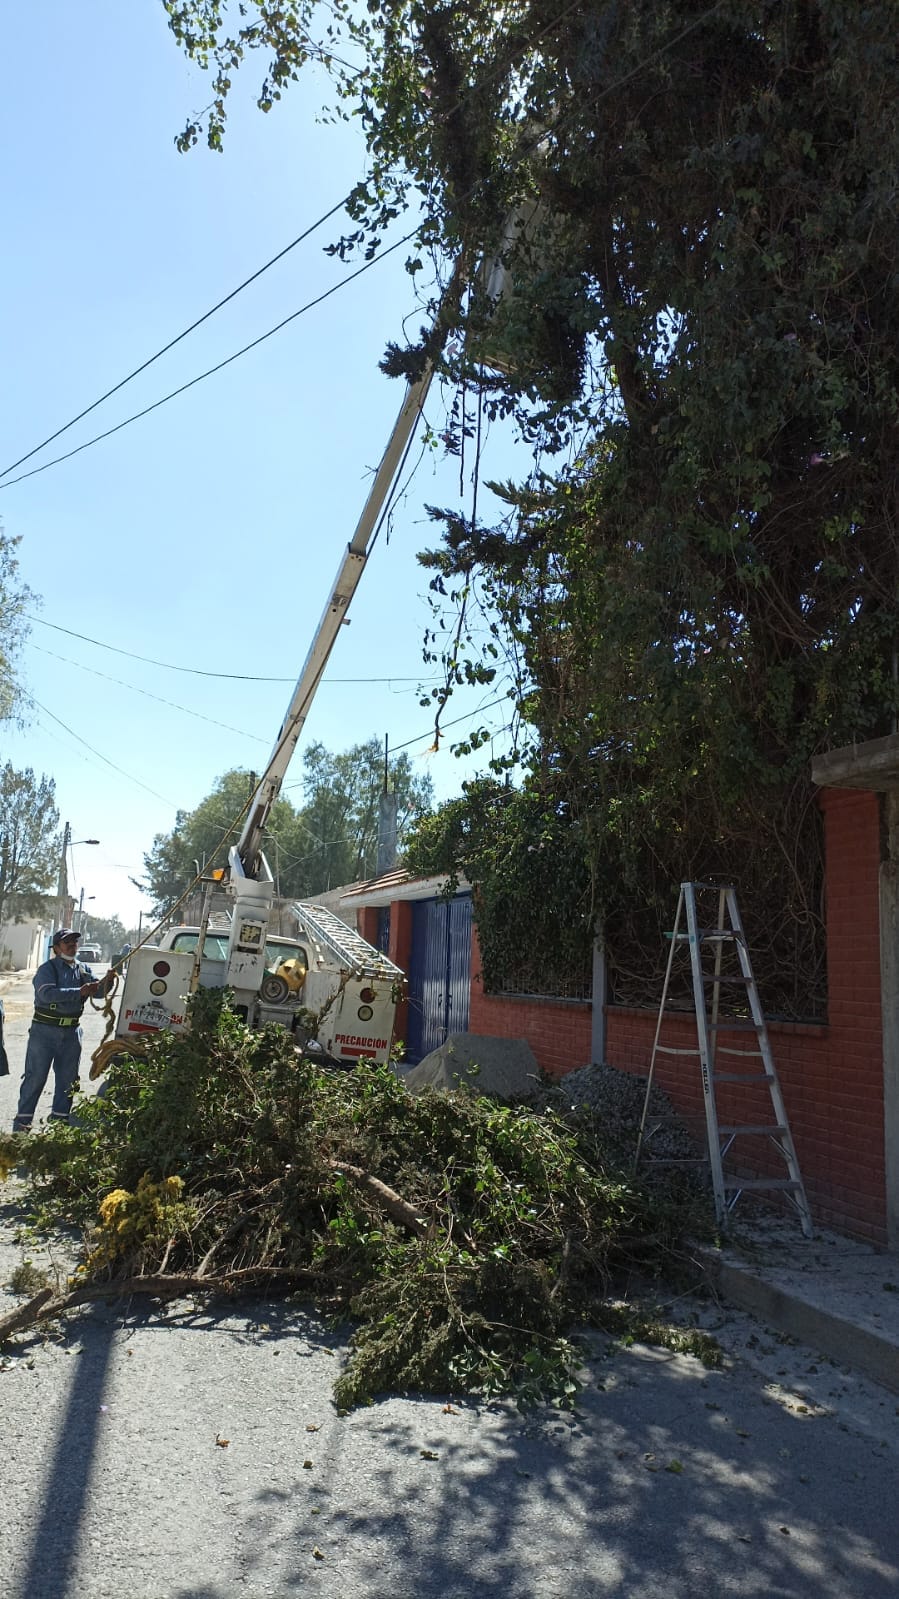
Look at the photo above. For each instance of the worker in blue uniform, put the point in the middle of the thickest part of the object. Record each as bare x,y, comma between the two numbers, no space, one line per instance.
62,987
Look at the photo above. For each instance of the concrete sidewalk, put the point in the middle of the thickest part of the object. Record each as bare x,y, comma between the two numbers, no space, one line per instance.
834,1294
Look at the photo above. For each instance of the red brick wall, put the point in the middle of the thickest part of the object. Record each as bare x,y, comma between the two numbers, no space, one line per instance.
399,950
842,1088
832,1076
558,1031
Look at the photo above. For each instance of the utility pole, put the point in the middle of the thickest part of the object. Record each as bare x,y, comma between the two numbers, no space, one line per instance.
386,857
62,886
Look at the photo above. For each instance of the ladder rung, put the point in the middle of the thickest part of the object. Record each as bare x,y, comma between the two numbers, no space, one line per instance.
722,977
668,1049
745,1054
724,1024
743,1077
741,1183
671,1160
772,1130
720,935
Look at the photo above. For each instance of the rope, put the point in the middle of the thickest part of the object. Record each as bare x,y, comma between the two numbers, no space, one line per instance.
109,1049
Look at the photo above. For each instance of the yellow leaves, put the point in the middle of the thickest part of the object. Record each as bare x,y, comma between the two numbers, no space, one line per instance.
128,1219
8,1161
113,1205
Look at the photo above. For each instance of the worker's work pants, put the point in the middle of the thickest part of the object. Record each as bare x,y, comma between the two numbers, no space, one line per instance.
59,1047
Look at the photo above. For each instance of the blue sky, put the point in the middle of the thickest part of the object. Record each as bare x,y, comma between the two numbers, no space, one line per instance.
206,535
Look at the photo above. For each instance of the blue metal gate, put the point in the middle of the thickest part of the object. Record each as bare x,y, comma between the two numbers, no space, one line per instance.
439,973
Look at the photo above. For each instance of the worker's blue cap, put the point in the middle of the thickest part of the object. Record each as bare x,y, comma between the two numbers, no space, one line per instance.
64,932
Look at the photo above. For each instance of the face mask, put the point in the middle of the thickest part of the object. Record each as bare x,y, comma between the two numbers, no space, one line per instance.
69,959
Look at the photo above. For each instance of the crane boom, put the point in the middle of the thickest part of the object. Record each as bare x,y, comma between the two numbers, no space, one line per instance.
246,855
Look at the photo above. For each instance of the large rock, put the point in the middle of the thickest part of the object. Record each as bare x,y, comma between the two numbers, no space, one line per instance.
505,1067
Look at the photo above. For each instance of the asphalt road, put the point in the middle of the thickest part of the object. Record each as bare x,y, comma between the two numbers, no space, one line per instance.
197,1455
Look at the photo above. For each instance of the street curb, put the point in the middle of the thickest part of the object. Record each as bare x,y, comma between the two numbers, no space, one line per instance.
868,1351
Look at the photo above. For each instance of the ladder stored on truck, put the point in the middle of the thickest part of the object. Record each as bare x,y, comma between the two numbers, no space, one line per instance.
321,926
755,1063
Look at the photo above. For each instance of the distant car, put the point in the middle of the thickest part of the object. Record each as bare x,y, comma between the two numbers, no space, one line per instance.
90,954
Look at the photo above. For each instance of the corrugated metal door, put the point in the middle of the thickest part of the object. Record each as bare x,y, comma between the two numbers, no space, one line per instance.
439,973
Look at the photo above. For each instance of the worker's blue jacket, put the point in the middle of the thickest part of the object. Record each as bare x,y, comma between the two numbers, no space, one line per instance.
57,992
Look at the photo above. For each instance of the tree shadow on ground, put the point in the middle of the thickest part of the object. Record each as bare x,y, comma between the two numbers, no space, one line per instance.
668,1480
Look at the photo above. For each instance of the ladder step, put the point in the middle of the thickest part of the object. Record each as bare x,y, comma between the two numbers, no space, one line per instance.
744,1077
671,1160
771,1130
668,1049
746,1054
722,977
741,1183
724,1024
717,935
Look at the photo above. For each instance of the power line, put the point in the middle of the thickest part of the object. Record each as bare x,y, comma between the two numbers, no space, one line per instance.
172,342
196,671
226,726
469,718
307,232
210,372
602,95
104,758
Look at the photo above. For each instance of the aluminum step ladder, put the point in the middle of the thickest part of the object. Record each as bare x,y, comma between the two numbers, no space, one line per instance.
726,934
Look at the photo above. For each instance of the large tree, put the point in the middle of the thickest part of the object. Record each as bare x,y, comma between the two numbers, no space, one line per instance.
329,840
15,598
30,845
694,204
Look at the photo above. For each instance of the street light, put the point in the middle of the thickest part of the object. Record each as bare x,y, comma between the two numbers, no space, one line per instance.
80,927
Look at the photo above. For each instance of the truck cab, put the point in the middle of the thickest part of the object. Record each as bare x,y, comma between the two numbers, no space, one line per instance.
335,992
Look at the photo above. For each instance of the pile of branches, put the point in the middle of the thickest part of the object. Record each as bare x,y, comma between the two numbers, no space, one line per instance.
464,1238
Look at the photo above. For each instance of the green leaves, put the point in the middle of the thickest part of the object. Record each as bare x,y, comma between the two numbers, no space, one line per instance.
330,839
221,1152
15,600
694,215
30,846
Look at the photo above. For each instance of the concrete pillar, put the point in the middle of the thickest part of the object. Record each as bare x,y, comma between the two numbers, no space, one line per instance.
889,988
386,832
600,999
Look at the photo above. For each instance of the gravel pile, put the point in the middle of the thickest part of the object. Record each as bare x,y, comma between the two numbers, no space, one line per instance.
615,1100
